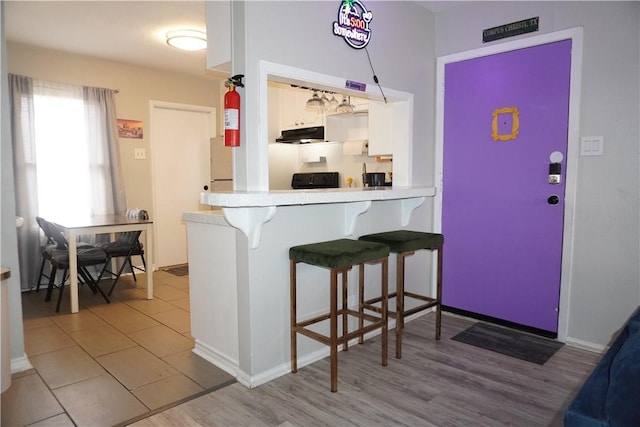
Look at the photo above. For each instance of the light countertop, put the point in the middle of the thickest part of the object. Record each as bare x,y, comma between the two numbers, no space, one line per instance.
240,199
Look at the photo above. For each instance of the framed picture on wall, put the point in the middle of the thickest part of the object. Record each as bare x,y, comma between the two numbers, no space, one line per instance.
130,129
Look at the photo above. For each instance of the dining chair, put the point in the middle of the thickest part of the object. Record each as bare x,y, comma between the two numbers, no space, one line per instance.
48,246
59,258
126,246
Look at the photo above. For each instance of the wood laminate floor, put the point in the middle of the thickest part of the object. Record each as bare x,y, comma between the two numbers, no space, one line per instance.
445,383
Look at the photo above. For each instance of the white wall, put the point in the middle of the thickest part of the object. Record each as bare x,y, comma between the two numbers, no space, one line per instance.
299,34
9,244
605,286
137,86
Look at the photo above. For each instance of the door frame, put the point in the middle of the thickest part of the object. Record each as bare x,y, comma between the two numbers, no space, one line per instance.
153,105
573,144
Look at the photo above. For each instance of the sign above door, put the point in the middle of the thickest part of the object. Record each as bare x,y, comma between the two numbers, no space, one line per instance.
510,30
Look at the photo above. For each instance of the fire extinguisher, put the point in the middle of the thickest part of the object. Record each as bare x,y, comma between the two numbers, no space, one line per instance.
232,112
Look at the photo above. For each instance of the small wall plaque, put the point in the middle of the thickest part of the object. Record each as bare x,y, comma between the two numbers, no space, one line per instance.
350,84
509,30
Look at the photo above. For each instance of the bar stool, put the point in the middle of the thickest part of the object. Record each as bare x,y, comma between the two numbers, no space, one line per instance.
404,243
340,256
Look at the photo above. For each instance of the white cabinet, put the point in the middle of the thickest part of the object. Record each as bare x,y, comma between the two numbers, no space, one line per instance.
384,119
347,126
218,18
293,111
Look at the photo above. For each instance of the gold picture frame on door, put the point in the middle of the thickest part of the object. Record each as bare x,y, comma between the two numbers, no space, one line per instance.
515,124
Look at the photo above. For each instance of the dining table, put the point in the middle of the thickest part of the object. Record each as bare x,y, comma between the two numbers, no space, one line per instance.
79,225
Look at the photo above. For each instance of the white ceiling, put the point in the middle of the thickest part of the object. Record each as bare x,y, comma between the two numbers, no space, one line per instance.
124,31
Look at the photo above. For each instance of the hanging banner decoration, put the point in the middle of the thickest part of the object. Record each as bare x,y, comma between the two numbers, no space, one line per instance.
353,23
510,30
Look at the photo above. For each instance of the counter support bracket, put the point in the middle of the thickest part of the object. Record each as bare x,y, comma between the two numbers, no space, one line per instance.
408,206
250,221
351,213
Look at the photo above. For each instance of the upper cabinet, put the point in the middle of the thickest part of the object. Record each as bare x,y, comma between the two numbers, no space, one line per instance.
380,129
347,127
293,111
219,35
388,122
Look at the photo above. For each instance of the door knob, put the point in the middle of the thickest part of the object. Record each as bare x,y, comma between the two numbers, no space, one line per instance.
553,200
206,188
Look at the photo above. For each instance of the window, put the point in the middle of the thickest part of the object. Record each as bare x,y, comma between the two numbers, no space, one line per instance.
61,151
71,173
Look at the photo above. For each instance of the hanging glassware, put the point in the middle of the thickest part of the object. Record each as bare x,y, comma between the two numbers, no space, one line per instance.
315,102
333,104
345,106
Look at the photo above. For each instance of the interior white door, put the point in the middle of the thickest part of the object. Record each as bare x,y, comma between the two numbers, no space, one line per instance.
181,167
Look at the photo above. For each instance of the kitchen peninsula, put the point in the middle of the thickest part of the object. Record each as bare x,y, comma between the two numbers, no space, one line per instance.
239,253
247,241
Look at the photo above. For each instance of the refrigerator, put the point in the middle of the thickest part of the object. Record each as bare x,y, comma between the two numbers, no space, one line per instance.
221,166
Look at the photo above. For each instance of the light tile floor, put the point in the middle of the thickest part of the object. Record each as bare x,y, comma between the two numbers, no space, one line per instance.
109,363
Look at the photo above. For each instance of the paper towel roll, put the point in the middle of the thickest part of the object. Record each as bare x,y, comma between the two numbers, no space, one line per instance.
353,147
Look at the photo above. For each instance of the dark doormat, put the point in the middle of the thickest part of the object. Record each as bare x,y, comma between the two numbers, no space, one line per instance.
520,345
180,270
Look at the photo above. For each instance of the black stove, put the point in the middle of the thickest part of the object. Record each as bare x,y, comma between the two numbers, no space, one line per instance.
301,181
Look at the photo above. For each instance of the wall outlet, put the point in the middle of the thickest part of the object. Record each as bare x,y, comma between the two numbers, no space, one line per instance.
140,154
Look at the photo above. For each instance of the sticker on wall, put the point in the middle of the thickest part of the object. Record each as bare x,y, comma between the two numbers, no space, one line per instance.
505,124
353,23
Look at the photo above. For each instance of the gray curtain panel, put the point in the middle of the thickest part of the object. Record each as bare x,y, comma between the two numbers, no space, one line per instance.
106,175
25,176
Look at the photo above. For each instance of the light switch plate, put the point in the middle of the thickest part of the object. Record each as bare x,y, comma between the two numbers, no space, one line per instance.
591,145
140,154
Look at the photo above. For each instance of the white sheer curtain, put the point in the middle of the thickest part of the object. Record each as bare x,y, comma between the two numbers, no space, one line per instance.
66,158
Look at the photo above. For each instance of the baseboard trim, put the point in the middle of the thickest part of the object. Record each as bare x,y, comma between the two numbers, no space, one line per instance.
216,358
20,364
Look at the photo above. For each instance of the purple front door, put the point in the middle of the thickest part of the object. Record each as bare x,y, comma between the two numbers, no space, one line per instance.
505,121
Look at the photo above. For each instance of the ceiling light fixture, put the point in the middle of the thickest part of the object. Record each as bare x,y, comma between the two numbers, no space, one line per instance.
187,39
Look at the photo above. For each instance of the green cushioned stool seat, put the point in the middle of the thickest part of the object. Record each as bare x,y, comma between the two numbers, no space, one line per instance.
406,240
340,256
338,253
404,243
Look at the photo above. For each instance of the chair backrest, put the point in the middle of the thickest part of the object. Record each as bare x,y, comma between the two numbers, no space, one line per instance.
56,235
131,237
43,224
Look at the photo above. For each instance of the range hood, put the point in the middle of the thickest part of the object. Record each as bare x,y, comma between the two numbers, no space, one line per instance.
302,135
